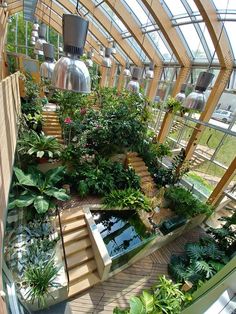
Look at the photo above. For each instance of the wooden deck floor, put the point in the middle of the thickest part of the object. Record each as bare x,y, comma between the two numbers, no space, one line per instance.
116,291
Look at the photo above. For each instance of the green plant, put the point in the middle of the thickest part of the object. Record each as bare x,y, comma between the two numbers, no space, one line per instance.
200,262
183,203
173,105
40,279
38,189
225,236
39,145
164,298
129,198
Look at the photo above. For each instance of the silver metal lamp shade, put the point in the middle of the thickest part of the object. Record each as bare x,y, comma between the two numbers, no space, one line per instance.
127,70
38,49
181,95
101,51
113,48
70,73
35,33
196,100
150,72
47,67
35,27
107,62
133,85
32,40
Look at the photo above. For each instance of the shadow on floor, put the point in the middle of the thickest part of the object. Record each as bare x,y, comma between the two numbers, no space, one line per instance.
60,308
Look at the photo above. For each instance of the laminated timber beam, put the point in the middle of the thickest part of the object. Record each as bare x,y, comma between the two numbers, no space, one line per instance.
225,56
127,19
15,7
171,35
56,14
113,70
216,195
106,23
152,89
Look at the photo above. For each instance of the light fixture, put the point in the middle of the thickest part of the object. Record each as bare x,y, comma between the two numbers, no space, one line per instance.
196,100
89,61
126,71
133,85
181,95
113,48
70,73
107,62
3,4
101,51
47,67
38,49
92,52
150,72
32,40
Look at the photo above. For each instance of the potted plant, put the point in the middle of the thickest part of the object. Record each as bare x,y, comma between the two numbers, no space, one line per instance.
39,146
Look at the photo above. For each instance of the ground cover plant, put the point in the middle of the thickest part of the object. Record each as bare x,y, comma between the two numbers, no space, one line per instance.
165,297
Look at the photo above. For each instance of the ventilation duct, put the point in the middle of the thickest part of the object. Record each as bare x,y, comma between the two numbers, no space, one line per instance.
133,85
38,49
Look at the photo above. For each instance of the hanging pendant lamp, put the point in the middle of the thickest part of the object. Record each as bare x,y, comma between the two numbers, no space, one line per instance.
47,67
3,4
38,49
181,95
89,61
107,62
127,72
101,51
133,85
70,73
196,100
113,48
150,72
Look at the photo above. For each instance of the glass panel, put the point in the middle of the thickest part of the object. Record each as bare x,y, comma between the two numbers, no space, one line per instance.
175,8
115,20
193,41
230,28
208,40
160,45
193,6
222,5
226,151
138,11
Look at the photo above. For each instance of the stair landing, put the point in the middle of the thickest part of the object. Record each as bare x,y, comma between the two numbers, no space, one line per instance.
81,264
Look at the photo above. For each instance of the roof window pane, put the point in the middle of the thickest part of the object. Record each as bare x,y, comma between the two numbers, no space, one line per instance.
175,8
138,11
222,5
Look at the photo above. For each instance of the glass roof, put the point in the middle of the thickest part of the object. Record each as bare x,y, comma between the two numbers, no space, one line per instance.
185,18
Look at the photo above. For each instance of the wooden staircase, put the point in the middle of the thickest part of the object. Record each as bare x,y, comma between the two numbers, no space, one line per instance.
196,161
51,125
148,185
82,267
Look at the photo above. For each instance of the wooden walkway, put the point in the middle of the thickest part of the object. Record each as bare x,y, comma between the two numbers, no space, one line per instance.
116,291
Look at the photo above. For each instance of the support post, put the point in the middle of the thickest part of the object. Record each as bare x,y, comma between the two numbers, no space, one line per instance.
112,74
151,93
223,183
103,77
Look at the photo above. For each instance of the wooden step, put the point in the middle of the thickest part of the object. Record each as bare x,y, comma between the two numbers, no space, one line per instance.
52,132
82,270
140,168
135,164
71,214
83,283
79,257
74,225
134,159
76,246
76,235
132,154
143,174
146,179
52,127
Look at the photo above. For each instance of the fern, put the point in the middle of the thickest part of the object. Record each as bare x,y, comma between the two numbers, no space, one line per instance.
177,267
195,251
205,268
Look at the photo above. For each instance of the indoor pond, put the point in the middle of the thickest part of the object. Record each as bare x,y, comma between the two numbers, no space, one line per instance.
123,233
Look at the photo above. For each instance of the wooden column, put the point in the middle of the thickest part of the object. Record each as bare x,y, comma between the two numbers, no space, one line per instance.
154,83
112,74
222,185
103,76
121,79
212,101
164,130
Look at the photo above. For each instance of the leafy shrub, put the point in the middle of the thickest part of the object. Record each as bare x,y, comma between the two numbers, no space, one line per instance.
200,262
165,297
183,203
38,189
39,145
39,279
129,198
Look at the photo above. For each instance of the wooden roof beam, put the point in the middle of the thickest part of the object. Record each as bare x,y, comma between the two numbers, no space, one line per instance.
171,35
219,37
127,19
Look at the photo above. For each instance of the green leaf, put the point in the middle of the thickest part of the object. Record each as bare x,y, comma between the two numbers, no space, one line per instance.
31,151
148,301
40,154
136,306
54,175
41,204
24,179
25,200
59,194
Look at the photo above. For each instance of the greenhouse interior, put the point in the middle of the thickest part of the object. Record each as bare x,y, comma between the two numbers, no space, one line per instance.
118,156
